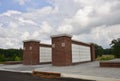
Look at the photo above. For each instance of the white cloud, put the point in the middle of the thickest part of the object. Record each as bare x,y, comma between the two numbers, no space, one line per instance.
27,21
36,34
13,25
25,35
37,13
93,14
10,13
82,16
65,29
45,28
88,20
9,43
102,35
22,2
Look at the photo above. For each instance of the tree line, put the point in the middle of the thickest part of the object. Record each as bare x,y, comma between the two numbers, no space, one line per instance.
11,54
17,54
113,50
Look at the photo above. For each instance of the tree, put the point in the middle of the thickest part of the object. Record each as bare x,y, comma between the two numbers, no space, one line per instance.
98,50
115,46
108,51
2,57
10,54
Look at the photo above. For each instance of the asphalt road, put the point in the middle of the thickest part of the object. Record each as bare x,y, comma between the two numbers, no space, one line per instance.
14,76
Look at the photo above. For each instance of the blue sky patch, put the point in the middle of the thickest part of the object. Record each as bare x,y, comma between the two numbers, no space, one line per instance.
6,5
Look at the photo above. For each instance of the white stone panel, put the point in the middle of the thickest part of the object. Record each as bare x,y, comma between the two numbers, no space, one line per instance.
80,53
45,54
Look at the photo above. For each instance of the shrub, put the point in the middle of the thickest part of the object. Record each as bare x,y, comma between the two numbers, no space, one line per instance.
17,58
2,58
105,57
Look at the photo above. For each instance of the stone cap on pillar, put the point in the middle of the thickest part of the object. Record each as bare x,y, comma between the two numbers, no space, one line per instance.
61,35
31,40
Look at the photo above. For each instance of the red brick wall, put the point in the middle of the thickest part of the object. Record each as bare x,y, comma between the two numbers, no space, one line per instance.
61,55
92,49
31,53
80,43
110,64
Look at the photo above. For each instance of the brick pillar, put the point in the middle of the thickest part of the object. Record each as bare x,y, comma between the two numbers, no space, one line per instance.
61,50
31,52
92,49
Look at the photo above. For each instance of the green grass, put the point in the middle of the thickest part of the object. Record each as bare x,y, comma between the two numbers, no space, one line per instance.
1,62
105,57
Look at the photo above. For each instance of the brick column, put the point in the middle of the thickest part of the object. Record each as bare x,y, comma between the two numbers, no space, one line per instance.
61,50
31,52
92,49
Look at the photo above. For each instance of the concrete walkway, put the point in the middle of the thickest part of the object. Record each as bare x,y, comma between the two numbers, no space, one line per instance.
89,70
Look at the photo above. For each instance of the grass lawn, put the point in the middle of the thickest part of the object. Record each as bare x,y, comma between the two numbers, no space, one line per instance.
1,62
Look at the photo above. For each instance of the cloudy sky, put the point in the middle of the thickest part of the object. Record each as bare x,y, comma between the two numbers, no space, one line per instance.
95,21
